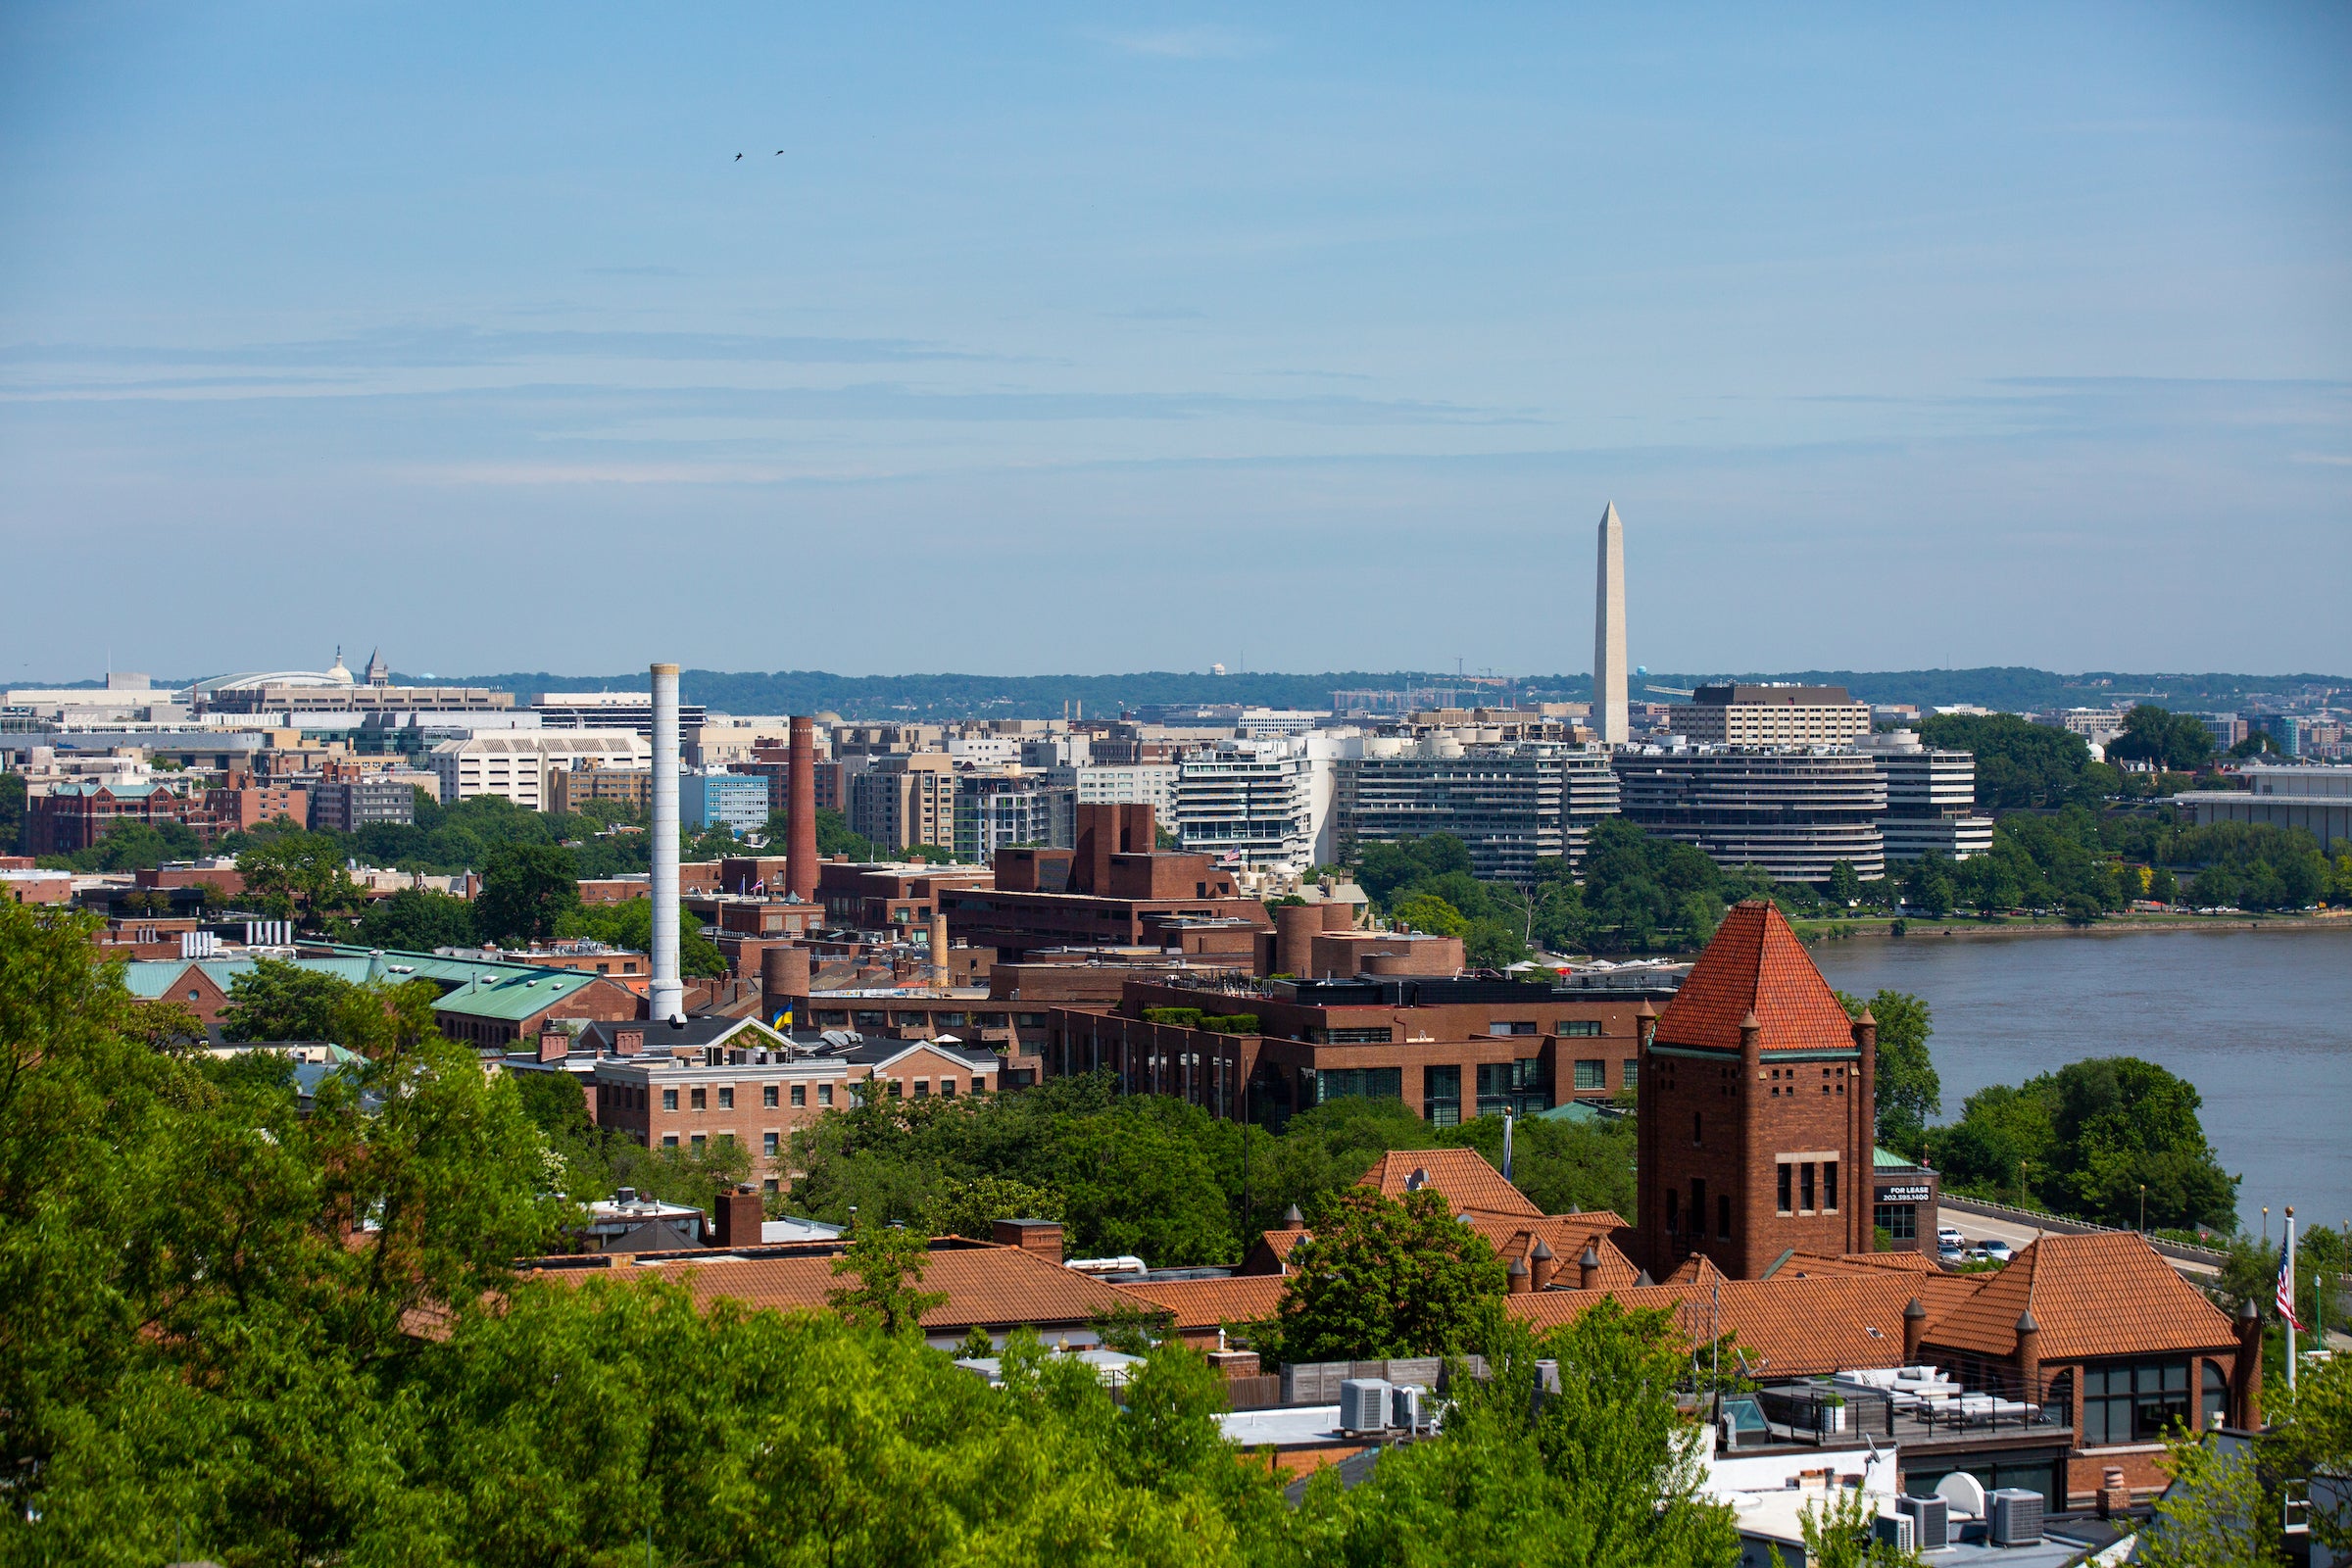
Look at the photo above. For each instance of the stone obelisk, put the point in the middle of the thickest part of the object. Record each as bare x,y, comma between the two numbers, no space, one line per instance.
1608,634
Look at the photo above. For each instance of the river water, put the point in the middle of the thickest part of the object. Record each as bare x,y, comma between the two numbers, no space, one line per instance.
2260,1021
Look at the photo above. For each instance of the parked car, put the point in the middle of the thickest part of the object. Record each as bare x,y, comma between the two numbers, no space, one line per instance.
1998,1251
1950,1252
1949,1236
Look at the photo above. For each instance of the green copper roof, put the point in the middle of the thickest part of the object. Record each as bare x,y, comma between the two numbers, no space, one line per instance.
514,997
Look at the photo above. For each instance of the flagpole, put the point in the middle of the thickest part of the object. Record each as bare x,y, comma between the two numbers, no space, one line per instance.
2287,1289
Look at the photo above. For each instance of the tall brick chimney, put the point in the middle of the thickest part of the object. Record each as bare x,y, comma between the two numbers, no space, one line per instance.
736,1216
2245,1380
1915,1329
799,862
784,984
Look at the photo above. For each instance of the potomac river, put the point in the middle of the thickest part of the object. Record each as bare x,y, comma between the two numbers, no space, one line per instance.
2259,1020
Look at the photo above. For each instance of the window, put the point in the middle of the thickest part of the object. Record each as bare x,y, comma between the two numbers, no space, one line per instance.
1804,1187
1527,1027
1829,1187
799,1094
767,1144
670,1100
1030,1020
1673,1208
897,1089
990,1020
1723,1217
2133,1401
1632,1075
1592,1075
696,1141
1698,1208
726,1099
1521,1087
947,1088
1787,1176
696,1097
1580,1028
1320,1088
1698,1128
2217,1396
869,1020
824,1094
1898,1220
1442,1096
670,1140
768,1096
922,1089
770,1185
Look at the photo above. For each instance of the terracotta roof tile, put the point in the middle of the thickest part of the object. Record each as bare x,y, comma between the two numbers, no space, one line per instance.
1697,1269
2108,1294
1461,1175
1212,1303
1803,1263
1567,1235
1756,964
996,1287
1786,1327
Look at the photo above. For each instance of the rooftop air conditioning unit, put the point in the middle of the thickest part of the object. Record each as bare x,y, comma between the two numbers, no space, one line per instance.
1364,1405
2016,1516
1896,1530
1404,1408
1931,1521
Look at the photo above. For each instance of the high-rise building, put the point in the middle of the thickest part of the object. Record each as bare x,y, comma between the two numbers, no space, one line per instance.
709,797
1776,715
1000,811
904,798
515,765
1252,803
1796,812
1510,805
1608,634
608,711
1931,798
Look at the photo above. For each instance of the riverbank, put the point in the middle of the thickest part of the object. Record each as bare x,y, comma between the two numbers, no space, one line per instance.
1917,929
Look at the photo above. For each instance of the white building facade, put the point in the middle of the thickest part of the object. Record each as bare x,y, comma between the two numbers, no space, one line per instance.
514,765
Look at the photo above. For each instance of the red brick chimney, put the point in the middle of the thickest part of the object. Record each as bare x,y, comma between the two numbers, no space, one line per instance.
736,1216
784,984
2245,1381
1520,1277
1039,1236
799,780
1540,1267
1915,1329
1587,1268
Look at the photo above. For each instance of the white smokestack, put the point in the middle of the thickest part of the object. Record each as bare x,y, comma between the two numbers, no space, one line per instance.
666,996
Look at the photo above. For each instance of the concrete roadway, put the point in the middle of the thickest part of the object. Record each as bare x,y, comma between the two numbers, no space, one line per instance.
1982,1227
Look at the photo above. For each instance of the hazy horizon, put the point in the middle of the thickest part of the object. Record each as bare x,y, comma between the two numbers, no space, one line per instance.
1062,340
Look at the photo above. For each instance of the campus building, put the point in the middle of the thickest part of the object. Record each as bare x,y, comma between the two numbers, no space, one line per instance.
1770,715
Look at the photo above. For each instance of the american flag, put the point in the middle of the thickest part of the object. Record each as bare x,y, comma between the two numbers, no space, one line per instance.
2287,1288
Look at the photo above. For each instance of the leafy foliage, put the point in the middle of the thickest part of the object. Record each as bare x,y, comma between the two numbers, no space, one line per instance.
1906,1085
298,876
2022,765
417,921
2178,742
1382,1277
527,889
2082,1141
629,925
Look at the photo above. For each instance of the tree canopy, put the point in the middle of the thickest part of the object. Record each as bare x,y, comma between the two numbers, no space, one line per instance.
2085,1139
1907,1086
1380,1277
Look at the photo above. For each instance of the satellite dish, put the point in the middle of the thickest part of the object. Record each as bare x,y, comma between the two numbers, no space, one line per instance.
1964,1493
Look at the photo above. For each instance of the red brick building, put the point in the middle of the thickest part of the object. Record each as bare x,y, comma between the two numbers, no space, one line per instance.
1757,1109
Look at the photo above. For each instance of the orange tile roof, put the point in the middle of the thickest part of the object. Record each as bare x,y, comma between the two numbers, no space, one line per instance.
1461,1175
1212,1303
1697,1269
1282,1243
1788,1328
996,1287
1756,964
1567,1235
2107,1294
1800,1265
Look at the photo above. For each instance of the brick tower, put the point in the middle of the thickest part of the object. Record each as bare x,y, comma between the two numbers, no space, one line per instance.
1757,1108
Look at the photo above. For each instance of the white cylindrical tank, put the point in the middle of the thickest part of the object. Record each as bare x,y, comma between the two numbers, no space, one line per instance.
667,995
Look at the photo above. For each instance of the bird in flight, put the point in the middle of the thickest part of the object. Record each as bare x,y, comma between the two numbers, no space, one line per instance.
779,152
739,158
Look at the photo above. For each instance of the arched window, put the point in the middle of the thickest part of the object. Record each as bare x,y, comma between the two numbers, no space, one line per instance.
1695,1127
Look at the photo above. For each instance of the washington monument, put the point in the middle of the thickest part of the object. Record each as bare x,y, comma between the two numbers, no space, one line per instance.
1608,634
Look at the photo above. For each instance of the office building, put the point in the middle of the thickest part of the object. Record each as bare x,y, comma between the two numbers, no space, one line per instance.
1510,805
1796,812
2291,733
2317,799
998,810
570,789
709,797
1609,713
1250,803
346,798
1931,798
514,767
1770,715
613,711
291,694
1152,784
903,799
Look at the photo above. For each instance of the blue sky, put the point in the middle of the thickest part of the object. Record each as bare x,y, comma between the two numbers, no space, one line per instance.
1117,338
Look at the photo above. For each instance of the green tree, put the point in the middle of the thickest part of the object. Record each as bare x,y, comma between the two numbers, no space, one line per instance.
1908,1089
882,1260
972,1205
527,889
629,926
1385,1277
1594,1472
1841,1533
1846,886
417,921
278,1000
2215,1514
1429,913
2152,734
299,875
